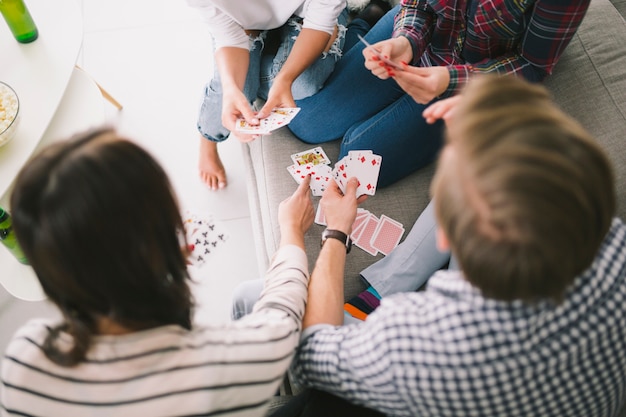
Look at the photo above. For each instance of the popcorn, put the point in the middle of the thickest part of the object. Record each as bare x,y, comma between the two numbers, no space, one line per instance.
9,106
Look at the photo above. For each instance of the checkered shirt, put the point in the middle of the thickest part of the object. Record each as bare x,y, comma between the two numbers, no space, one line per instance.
478,36
448,351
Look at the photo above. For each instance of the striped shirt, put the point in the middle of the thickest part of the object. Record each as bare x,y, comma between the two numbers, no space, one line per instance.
448,351
524,37
231,369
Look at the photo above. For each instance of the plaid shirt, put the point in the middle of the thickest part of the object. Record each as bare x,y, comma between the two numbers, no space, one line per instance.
448,351
505,36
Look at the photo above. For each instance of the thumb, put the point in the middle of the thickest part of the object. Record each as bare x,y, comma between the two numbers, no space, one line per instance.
351,186
266,109
303,188
249,115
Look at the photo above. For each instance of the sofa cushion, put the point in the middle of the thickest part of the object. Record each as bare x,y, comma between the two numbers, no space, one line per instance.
589,83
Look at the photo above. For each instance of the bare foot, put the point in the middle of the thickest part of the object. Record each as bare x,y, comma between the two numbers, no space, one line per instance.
210,166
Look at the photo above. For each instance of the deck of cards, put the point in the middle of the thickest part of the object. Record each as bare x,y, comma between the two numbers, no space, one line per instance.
279,117
364,165
371,233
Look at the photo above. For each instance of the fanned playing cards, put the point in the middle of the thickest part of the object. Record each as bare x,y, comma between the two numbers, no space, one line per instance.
364,165
279,117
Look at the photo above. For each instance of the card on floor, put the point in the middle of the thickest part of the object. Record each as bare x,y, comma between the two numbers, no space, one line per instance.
359,222
366,234
387,235
313,156
203,236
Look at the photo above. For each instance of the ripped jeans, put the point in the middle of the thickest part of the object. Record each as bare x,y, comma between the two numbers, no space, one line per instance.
262,70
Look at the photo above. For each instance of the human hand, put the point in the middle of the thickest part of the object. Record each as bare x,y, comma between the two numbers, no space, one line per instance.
340,209
235,106
397,50
296,214
442,109
423,84
279,96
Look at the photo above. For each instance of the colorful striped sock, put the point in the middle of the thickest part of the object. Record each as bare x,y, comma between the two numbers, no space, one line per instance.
363,304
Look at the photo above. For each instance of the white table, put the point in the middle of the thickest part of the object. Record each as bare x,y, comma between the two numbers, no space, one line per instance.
56,100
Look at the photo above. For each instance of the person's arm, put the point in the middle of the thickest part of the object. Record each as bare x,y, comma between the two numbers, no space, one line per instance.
232,64
319,30
414,22
308,46
232,57
552,26
286,281
325,300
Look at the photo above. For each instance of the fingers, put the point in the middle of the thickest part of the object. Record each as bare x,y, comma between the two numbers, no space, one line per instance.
303,188
266,109
351,187
442,109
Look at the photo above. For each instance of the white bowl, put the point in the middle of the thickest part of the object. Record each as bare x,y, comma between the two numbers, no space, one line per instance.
9,113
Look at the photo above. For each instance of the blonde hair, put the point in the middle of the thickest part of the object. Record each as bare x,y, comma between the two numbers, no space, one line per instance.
523,193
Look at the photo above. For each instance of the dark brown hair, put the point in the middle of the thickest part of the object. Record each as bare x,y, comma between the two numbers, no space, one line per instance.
522,191
98,221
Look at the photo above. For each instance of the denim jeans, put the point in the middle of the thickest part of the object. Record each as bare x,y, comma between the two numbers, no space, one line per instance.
370,113
263,69
412,262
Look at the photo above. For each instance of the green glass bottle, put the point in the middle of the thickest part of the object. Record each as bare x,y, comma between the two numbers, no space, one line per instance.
7,236
19,20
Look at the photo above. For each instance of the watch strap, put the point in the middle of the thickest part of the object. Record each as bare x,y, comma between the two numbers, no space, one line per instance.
339,235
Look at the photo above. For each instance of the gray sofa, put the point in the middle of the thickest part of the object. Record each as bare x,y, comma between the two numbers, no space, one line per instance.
589,83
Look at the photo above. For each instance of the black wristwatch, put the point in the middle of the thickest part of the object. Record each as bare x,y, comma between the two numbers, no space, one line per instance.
336,234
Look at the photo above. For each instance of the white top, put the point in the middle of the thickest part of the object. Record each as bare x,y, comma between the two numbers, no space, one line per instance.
227,19
230,369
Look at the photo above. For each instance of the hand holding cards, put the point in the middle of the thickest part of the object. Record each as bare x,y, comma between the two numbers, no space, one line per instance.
363,165
381,57
279,117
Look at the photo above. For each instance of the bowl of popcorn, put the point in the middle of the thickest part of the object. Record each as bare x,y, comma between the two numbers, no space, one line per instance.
9,113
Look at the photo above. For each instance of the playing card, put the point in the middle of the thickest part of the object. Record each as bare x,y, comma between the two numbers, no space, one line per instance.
366,234
380,56
340,173
387,235
360,220
365,166
279,117
203,236
313,156
300,172
319,216
320,177
241,125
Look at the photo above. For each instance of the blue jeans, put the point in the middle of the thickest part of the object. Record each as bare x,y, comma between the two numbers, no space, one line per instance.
370,113
412,262
262,71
